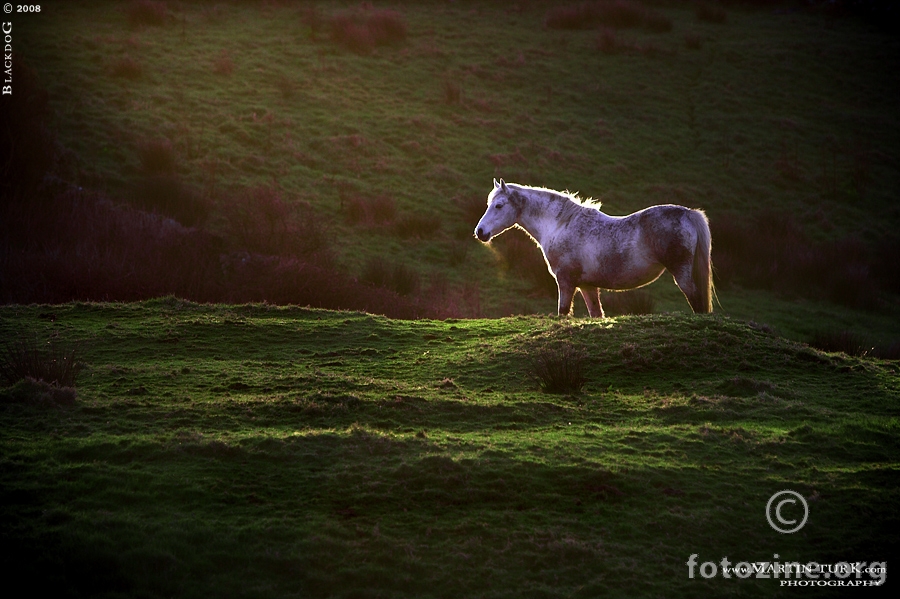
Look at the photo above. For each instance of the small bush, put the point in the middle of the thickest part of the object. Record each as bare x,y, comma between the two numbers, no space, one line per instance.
143,13
558,369
261,220
41,362
168,195
38,392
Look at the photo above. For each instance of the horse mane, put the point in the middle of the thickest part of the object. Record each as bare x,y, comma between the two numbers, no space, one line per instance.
572,200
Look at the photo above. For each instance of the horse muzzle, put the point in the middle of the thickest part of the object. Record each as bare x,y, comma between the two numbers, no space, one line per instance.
482,235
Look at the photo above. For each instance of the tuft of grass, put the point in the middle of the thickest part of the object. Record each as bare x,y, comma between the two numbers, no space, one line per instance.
558,368
38,392
47,362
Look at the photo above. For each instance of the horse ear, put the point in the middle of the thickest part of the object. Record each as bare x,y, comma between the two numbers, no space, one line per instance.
503,186
496,185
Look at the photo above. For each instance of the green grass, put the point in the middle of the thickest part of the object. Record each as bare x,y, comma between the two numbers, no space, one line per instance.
263,451
270,452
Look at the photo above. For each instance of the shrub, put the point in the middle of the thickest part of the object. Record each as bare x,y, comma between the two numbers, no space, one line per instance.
47,362
142,13
168,195
38,392
261,220
558,368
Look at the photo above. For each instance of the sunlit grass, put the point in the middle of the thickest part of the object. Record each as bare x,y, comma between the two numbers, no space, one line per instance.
327,453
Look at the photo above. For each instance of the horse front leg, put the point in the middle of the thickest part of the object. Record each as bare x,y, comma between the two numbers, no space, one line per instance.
591,297
566,293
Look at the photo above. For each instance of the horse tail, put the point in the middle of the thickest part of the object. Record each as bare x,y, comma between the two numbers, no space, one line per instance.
701,271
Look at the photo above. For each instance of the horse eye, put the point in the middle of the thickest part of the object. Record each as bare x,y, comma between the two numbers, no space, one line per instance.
498,206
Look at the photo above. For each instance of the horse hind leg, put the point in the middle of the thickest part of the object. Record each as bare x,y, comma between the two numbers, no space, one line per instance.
684,279
591,297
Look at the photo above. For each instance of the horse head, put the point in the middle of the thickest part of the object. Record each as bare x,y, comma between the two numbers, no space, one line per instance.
503,210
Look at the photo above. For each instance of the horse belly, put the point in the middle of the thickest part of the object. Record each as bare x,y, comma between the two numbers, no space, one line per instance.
621,270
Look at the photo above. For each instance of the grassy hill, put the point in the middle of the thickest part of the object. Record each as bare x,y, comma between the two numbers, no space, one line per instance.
265,123
265,451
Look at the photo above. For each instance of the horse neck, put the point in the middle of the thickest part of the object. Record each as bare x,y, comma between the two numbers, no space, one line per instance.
540,217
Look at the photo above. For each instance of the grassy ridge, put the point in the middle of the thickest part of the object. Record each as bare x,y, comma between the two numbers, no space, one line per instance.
264,451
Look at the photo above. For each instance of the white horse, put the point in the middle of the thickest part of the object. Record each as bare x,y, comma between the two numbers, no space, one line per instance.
589,250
